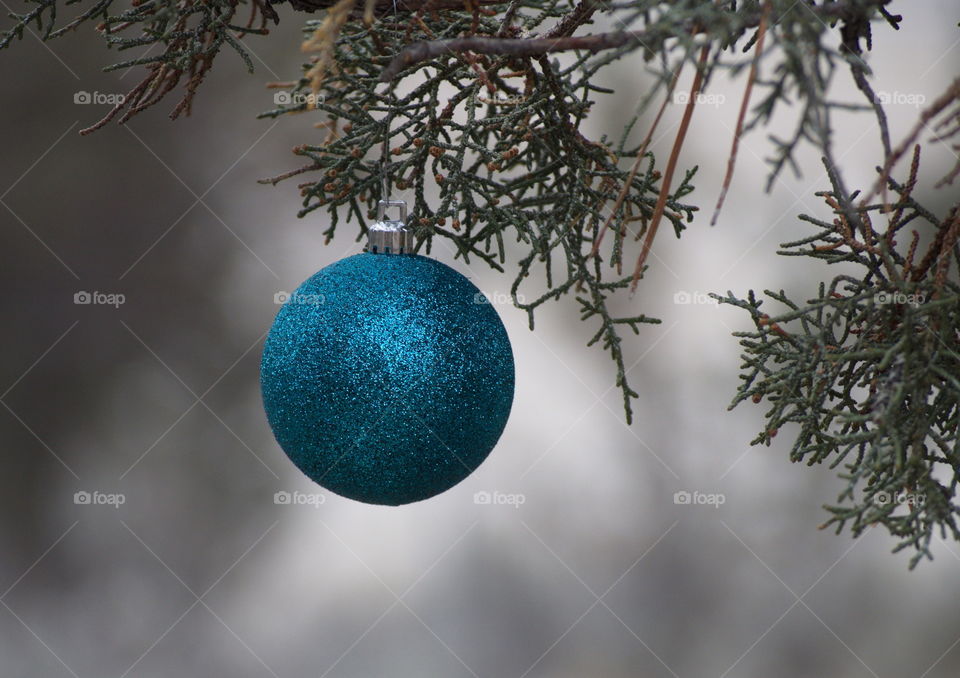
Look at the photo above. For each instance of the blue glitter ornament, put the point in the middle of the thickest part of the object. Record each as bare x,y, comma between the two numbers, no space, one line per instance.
387,378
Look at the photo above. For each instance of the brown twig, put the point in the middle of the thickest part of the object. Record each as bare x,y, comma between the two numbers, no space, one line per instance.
951,94
532,47
764,321
911,252
905,194
625,189
323,41
744,104
951,227
671,166
946,128
388,7
506,24
273,181
132,95
579,16
558,39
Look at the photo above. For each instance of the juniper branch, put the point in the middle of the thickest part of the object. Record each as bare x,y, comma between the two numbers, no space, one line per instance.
422,51
865,372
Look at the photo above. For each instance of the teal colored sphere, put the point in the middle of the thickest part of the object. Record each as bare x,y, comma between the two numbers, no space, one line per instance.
387,378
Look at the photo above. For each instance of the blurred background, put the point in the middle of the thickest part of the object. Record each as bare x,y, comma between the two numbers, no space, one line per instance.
139,531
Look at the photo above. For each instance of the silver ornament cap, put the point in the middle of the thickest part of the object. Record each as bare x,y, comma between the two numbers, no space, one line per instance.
387,236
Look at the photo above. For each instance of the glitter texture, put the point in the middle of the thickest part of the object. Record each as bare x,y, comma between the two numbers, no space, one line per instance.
387,378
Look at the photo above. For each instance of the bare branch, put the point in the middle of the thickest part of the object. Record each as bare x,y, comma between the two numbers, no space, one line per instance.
531,47
388,7
744,104
951,95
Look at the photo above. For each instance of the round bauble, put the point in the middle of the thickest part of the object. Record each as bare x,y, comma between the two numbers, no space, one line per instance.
387,378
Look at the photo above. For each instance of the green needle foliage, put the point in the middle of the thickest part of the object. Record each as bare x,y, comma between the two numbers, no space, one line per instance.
475,110
504,152
190,35
498,133
869,370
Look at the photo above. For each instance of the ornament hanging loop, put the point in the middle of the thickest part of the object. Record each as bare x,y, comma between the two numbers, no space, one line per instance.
384,204
390,236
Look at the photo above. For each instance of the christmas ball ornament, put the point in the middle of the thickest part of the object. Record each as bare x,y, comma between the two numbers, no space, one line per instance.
387,377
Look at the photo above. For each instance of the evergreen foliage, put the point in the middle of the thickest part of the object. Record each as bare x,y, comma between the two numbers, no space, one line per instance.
472,100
